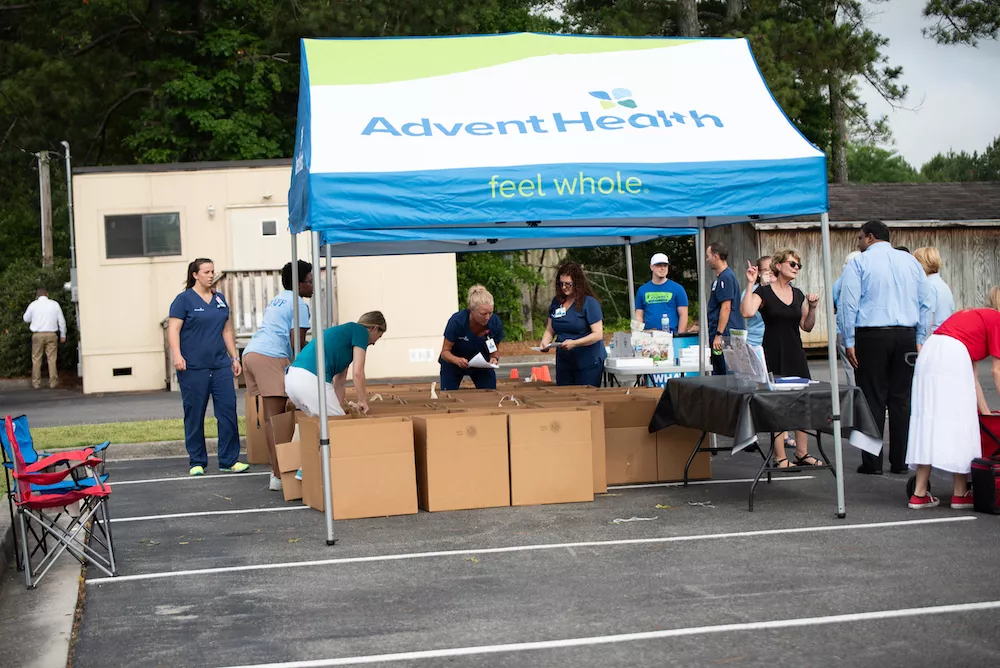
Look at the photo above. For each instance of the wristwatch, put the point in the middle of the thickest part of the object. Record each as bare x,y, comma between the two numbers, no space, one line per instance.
720,334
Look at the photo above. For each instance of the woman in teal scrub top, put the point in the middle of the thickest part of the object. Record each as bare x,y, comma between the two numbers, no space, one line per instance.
576,325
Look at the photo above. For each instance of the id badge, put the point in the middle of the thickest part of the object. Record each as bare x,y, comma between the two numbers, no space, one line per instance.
491,346
559,312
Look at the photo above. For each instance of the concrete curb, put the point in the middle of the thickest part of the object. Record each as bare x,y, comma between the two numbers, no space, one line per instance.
158,449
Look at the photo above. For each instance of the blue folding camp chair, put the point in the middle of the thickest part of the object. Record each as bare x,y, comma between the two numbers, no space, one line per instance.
22,434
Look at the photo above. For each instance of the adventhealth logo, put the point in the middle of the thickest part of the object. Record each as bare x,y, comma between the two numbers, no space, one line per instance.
621,97
581,121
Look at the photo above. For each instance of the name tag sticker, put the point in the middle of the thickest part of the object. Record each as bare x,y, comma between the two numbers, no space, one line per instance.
559,312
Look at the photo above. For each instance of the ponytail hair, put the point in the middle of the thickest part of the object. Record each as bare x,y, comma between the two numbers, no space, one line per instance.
193,269
373,320
479,296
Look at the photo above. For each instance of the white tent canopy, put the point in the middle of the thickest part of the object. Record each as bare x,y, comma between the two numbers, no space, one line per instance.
504,142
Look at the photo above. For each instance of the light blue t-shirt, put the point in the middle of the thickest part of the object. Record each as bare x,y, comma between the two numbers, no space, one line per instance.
272,339
755,326
942,302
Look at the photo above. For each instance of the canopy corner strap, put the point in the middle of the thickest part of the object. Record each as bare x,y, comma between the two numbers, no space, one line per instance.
366,183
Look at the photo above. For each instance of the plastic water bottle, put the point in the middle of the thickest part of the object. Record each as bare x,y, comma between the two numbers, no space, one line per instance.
665,323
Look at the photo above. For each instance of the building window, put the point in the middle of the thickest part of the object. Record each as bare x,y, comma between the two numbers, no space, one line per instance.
142,235
269,228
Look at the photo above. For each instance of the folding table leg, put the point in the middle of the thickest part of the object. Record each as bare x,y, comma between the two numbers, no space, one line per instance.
694,453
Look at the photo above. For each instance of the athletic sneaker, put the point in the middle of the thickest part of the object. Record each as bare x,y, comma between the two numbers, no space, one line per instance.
238,467
275,484
298,474
926,501
197,470
962,502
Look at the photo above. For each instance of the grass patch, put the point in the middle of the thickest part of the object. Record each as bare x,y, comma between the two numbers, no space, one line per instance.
78,436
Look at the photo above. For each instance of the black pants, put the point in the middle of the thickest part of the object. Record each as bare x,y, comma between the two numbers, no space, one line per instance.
886,380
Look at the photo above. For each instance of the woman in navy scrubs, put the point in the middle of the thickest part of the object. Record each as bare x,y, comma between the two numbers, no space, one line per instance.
468,333
204,351
576,325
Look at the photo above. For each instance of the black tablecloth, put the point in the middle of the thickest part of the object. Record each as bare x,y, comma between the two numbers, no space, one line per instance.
722,405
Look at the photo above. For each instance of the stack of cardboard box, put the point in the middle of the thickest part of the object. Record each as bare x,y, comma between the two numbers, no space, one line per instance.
481,448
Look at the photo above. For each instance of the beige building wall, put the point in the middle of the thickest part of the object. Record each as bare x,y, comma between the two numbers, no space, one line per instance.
124,301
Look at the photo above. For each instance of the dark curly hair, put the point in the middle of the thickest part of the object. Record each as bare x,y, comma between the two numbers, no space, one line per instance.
581,286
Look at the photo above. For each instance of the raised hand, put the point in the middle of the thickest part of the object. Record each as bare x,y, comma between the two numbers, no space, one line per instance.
751,272
813,299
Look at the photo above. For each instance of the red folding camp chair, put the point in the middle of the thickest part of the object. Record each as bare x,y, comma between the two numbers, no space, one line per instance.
84,533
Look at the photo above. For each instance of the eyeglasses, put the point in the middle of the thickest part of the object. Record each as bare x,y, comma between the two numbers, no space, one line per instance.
794,265
563,284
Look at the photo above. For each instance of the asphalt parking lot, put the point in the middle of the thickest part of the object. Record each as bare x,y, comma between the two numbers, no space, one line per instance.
219,572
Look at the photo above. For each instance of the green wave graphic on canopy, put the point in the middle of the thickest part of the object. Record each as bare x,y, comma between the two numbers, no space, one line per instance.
341,62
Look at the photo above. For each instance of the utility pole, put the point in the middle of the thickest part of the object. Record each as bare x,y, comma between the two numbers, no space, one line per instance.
45,197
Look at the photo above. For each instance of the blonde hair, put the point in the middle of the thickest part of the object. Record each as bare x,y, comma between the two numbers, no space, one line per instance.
783,255
479,296
993,298
929,258
373,320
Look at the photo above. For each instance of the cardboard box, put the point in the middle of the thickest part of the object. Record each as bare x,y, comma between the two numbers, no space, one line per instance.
379,409
673,447
569,389
462,461
626,411
257,452
551,456
631,455
289,454
372,467
596,433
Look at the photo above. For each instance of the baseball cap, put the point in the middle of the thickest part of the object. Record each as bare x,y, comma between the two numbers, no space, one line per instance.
658,258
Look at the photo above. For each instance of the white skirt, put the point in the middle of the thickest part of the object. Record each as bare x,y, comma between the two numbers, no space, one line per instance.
944,416
302,388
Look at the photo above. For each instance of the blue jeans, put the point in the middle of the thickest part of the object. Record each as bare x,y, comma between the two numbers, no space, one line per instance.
196,386
452,375
566,375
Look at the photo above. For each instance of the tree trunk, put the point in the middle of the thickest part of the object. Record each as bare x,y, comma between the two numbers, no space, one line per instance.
734,8
838,137
687,18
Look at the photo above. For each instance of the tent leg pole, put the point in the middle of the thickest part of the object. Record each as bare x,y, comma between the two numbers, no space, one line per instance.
295,293
713,438
324,427
329,286
699,253
630,275
831,352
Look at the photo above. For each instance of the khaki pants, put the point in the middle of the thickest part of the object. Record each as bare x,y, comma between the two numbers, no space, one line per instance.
47,342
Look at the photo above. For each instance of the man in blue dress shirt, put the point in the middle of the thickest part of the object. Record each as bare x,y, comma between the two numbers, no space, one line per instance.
884,307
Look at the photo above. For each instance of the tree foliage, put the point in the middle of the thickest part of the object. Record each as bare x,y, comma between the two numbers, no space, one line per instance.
503,274
963,166
962,21
872,164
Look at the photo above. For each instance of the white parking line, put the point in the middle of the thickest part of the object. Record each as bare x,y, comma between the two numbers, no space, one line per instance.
204,513
633,637
525,548
708,482
187,477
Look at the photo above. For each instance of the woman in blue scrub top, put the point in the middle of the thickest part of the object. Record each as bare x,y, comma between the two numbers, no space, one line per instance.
476,330
576,325
204,352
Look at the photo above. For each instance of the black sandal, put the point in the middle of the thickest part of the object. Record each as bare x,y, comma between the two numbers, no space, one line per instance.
803,460
777,464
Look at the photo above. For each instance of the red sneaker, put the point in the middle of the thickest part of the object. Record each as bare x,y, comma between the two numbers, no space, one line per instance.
962,502
926,501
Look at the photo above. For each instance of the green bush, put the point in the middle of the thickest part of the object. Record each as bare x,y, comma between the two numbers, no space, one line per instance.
18,283
503,274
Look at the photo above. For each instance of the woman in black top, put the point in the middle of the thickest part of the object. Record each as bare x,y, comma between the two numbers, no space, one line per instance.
785,310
